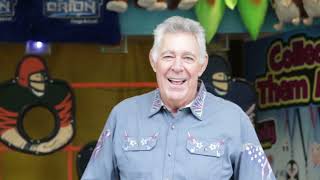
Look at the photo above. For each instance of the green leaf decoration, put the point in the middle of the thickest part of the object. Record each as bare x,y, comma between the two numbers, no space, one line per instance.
231,4
253,13
209,14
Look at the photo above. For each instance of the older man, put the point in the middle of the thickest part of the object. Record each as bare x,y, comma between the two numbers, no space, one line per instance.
178,131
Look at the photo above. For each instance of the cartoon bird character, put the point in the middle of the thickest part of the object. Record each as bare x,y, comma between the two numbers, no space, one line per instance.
313,10
289,11
119,6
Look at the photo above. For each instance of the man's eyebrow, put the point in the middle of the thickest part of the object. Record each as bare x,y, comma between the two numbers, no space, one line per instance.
167,52
186,53
189,53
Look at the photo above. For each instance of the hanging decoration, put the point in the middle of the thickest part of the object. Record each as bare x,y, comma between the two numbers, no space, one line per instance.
158,5
253,13
313,10
209,14
231,4
119,6
289,11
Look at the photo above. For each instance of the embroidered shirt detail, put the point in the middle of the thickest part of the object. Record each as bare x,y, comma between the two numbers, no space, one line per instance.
157,102
204,146
197,105
102,138
256,155
139,144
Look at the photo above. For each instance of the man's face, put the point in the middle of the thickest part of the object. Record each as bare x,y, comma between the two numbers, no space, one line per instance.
37,81
177,69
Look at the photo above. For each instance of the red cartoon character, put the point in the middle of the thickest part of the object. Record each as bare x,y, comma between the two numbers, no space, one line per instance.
31,88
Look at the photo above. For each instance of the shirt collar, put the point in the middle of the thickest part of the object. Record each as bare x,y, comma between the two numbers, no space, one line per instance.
196,105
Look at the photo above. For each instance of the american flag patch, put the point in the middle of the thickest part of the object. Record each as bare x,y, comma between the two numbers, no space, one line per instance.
256,158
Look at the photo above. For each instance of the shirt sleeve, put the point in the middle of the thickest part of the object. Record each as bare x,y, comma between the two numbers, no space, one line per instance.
102,164
252,162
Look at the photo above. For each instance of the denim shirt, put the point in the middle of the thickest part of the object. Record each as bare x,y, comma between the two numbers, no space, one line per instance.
213,139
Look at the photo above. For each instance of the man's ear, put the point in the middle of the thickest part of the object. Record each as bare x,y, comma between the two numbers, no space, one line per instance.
152,62
203,65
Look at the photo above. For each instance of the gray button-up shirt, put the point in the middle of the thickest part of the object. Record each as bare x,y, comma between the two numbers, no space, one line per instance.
212,139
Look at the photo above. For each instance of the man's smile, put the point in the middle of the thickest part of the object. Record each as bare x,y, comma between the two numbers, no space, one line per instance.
177,81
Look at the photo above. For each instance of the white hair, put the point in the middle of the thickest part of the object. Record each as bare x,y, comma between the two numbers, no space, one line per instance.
177,24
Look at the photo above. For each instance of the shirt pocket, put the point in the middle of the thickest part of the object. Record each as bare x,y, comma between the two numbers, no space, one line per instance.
139,153
204,158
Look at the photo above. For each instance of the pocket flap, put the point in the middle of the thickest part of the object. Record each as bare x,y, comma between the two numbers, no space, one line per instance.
139,144
205,147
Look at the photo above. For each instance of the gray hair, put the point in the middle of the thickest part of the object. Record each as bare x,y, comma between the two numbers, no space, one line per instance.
177,24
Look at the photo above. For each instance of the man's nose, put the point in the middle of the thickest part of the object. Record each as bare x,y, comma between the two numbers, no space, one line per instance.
177,65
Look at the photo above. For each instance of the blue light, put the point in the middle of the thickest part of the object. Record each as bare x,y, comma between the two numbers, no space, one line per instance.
37,47
38,44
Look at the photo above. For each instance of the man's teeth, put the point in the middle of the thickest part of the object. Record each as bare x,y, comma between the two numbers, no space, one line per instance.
177,81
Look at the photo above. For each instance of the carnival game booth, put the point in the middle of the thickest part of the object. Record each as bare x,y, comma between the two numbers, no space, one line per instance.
287,84
65,64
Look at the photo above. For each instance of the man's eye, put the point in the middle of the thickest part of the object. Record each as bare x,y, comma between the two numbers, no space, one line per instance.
189,59
168,57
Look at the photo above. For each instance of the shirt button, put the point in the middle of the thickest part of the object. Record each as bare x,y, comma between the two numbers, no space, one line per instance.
172,127
169,154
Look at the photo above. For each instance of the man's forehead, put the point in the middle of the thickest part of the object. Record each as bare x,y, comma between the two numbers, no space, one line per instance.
171,43
170,36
